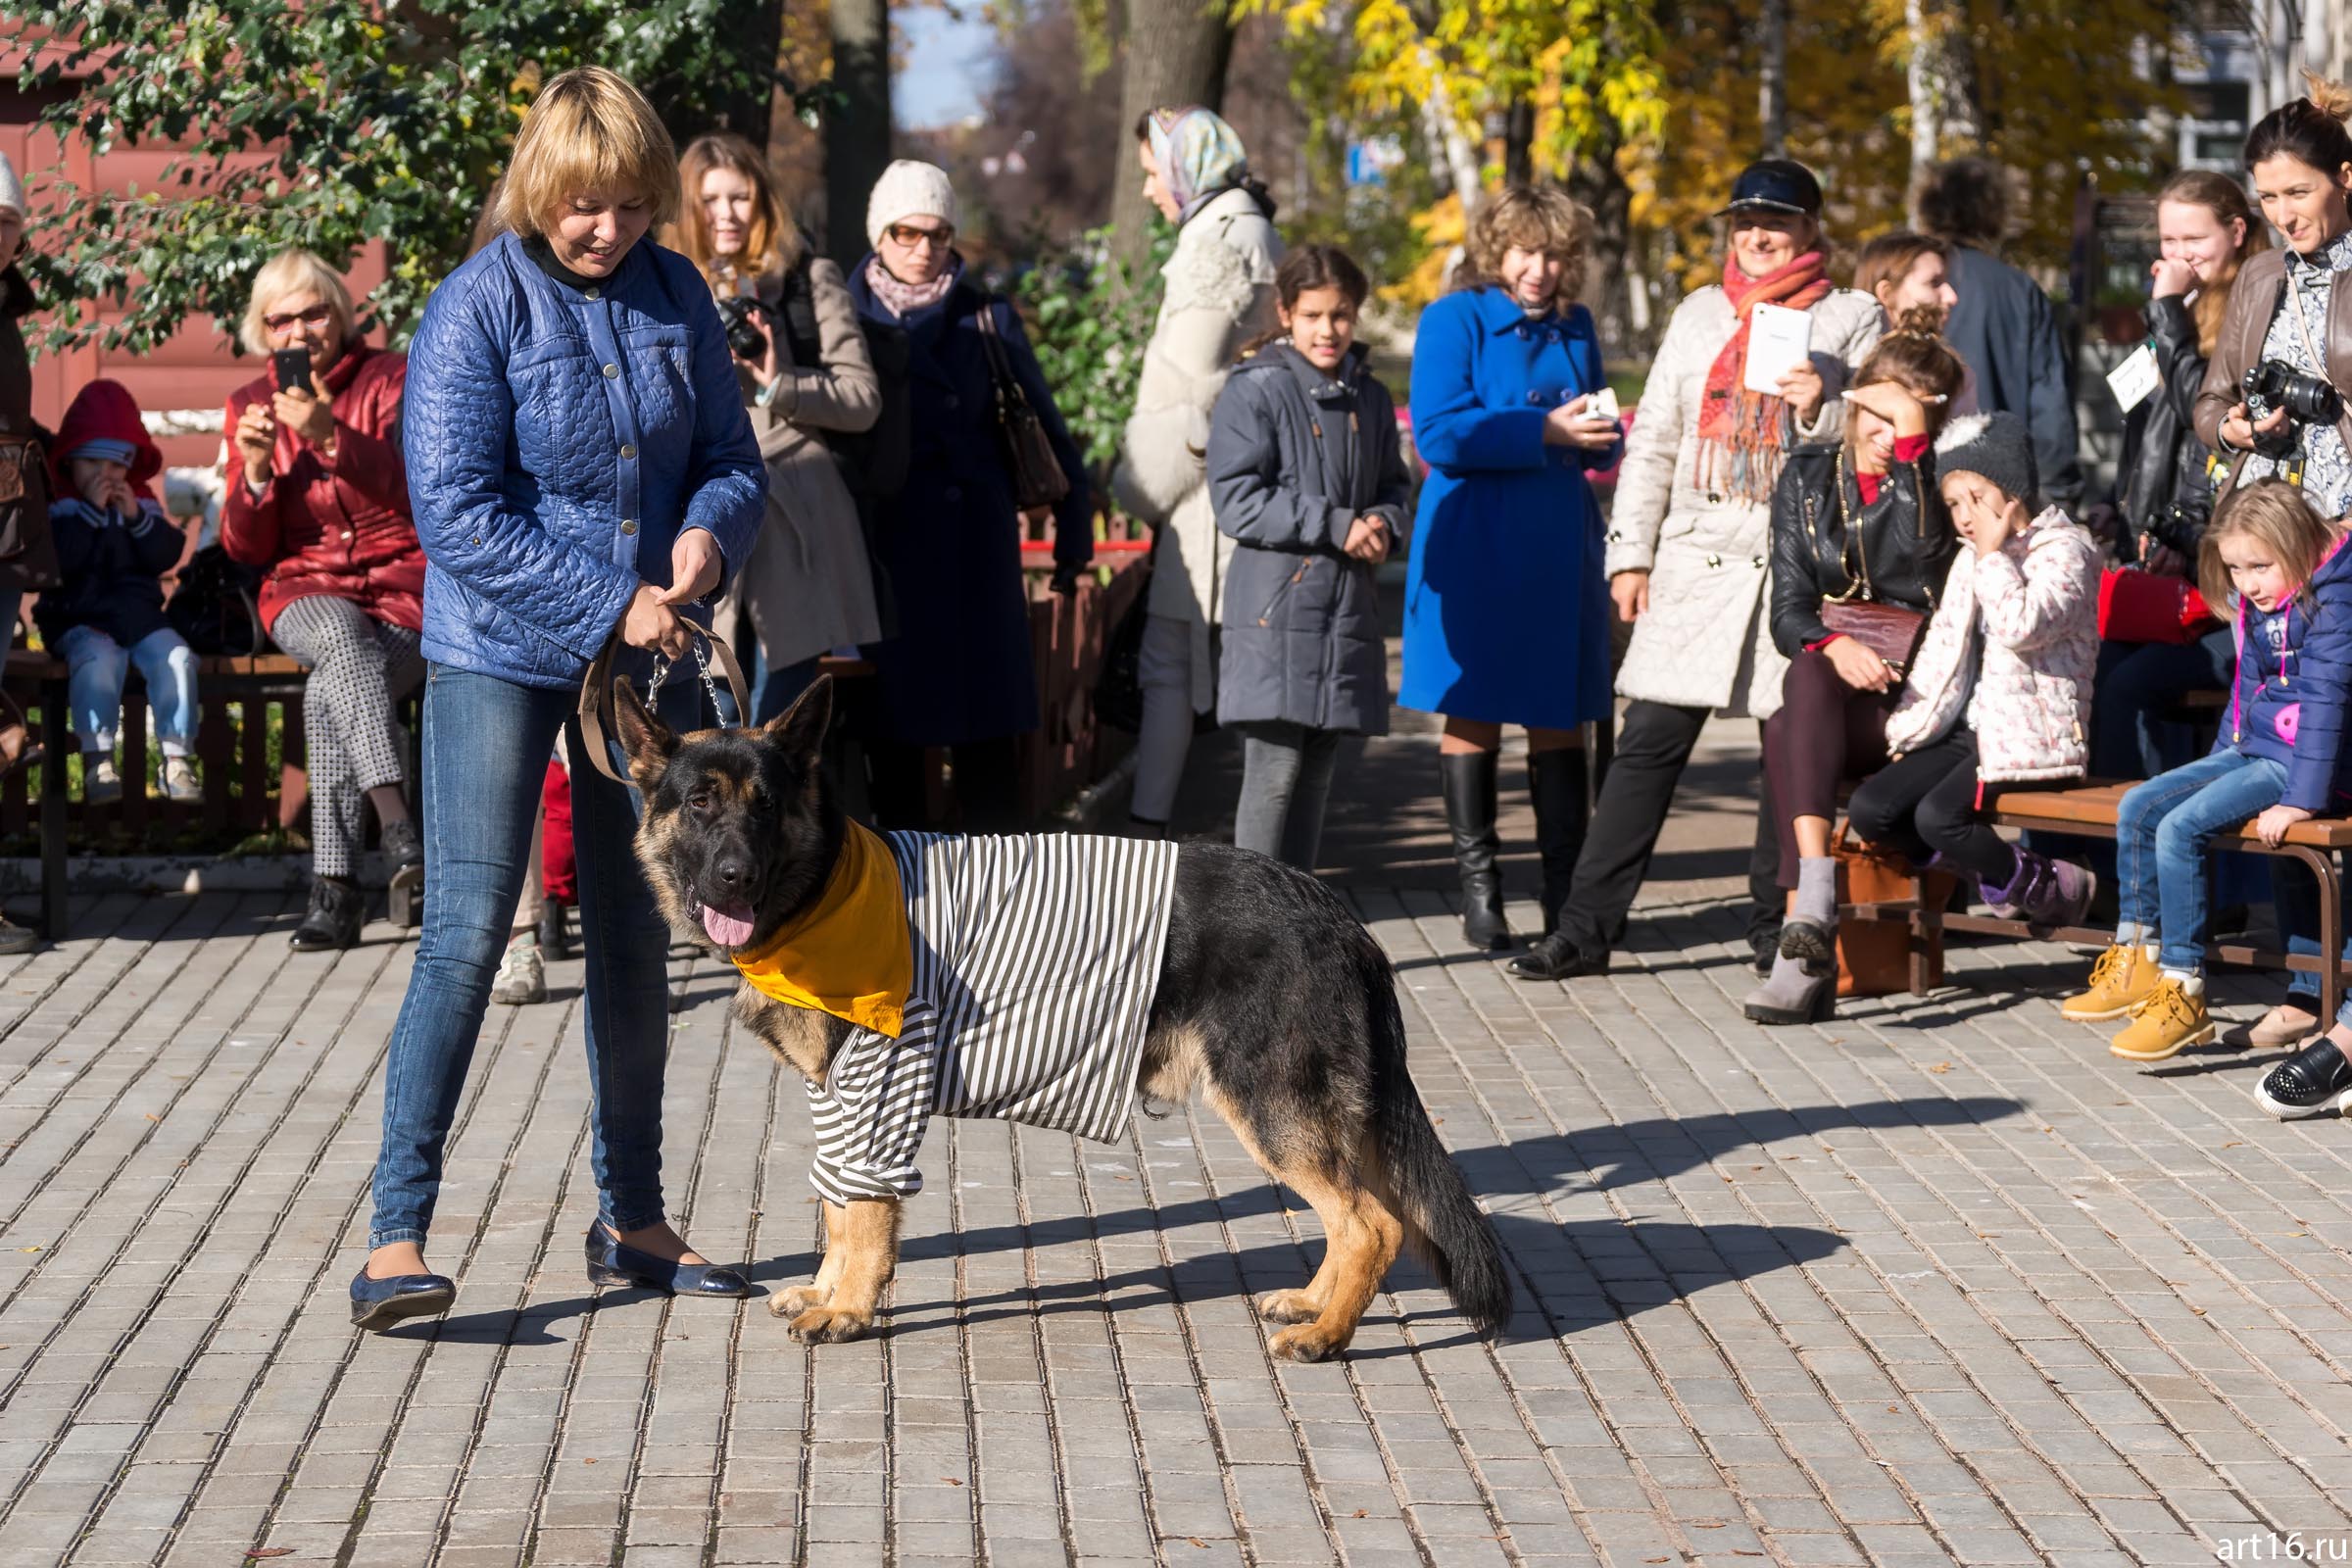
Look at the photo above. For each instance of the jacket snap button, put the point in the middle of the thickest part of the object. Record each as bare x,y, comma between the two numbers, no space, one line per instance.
1714,561
594,293
1537,398
627,451
347,534
1755,560
1713,497
629,525
612,373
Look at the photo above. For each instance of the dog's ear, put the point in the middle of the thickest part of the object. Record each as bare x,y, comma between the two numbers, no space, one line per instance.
799,730
647,742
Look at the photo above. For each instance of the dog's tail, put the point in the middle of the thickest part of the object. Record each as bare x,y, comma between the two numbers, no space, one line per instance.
1443,1221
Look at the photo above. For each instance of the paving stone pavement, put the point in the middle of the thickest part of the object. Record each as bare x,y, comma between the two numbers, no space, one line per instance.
1939,1282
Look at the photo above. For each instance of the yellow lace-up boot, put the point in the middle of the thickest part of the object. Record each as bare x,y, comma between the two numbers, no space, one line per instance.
2170,1019
2122,979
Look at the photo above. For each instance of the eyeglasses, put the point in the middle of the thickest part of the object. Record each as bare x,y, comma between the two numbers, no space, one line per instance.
311,316
908,236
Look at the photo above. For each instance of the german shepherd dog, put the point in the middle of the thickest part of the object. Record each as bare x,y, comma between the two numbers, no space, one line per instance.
1272,999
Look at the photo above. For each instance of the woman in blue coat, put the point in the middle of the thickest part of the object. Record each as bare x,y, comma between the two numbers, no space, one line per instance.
958,670
1505,604
579,465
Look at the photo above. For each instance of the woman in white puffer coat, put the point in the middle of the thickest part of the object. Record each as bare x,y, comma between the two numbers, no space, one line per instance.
1219,292
1690,546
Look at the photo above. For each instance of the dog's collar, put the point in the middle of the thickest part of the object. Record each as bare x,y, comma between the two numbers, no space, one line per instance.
850,953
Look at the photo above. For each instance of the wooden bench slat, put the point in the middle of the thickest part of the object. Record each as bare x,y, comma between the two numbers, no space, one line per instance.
2094,806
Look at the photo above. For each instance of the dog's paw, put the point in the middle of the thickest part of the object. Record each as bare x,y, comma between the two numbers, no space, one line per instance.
1288,1306
827,1325
799,1299
1308,1343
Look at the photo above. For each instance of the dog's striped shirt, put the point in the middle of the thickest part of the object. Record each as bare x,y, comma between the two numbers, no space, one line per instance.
1034,963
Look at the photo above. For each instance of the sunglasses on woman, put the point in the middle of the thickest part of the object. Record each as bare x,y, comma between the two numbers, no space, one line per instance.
311,316
908,236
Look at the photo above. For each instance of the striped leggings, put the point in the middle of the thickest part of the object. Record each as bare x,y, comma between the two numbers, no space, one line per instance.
358,667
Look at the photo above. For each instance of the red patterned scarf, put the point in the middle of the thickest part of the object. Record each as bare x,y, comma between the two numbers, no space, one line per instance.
1738,430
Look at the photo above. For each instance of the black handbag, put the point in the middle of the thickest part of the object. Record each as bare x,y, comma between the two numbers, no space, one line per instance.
1036,476
214,610
1119,692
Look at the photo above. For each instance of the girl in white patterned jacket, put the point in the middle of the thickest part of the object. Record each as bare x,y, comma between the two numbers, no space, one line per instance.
2000,692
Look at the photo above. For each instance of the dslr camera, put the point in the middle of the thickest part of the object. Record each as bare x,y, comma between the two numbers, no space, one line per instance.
744,341
2273,385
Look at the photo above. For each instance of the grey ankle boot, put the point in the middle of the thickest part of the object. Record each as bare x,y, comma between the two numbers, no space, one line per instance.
1799,991
1810,932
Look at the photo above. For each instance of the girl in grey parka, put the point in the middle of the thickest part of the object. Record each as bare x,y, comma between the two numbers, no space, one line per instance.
1307,479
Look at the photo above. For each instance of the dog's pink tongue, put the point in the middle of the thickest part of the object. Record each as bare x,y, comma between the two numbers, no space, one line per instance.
728,930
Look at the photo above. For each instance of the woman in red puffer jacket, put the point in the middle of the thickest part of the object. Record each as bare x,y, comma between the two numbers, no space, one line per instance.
319,495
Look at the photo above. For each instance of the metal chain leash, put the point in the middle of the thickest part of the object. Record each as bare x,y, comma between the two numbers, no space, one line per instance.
702,660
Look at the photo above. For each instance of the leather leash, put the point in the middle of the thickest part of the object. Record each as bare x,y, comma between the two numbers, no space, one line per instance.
596,694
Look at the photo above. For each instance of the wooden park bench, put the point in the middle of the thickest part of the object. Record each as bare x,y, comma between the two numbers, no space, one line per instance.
2089,811
235,695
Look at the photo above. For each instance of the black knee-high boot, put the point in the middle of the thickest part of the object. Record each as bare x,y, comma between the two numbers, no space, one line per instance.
1468,778
1556,783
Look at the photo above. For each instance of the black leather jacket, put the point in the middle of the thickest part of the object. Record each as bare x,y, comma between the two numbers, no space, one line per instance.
1904,550
2166,493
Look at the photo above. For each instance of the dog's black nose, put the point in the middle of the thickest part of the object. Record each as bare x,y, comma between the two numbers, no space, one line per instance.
732,874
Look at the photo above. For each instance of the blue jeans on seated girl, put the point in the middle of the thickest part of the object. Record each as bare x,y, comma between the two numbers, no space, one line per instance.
96,666
486,744
2163,831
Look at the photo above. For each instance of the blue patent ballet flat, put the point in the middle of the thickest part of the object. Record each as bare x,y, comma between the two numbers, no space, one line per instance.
612,1263
377,1304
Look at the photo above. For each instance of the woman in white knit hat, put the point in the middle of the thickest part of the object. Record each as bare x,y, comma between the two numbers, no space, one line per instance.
30,559
957,672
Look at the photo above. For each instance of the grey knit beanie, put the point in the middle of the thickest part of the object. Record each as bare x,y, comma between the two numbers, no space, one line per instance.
1996,446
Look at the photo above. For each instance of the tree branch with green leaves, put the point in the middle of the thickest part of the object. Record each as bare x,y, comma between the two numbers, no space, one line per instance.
324,123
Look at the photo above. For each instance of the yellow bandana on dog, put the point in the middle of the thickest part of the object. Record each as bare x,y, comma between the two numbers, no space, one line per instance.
850,953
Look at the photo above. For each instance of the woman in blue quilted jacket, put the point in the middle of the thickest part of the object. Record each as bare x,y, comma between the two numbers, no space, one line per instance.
579,465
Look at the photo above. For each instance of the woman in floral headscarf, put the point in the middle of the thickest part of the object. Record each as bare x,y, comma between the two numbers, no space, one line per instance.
1219,293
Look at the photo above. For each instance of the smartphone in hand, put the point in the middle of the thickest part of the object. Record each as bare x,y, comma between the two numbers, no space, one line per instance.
293,370
1604,405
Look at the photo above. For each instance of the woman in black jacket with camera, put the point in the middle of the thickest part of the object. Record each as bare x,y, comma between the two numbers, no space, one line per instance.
1858,532
2206,232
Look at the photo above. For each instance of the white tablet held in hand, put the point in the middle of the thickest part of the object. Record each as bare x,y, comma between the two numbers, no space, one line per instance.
1779,340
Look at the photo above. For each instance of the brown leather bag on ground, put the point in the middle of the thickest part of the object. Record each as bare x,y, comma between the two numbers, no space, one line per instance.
1874,958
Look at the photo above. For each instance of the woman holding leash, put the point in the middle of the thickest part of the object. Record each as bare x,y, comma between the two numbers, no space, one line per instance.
581,467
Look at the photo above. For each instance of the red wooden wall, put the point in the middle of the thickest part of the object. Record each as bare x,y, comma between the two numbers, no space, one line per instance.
197,368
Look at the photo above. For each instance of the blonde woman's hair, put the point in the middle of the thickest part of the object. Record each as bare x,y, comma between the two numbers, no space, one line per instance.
294,271
588,130
1534,219
2274,515
771,244
2225,199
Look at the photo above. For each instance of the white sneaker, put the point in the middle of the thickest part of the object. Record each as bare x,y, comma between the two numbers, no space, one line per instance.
101,785
521,976
176,779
